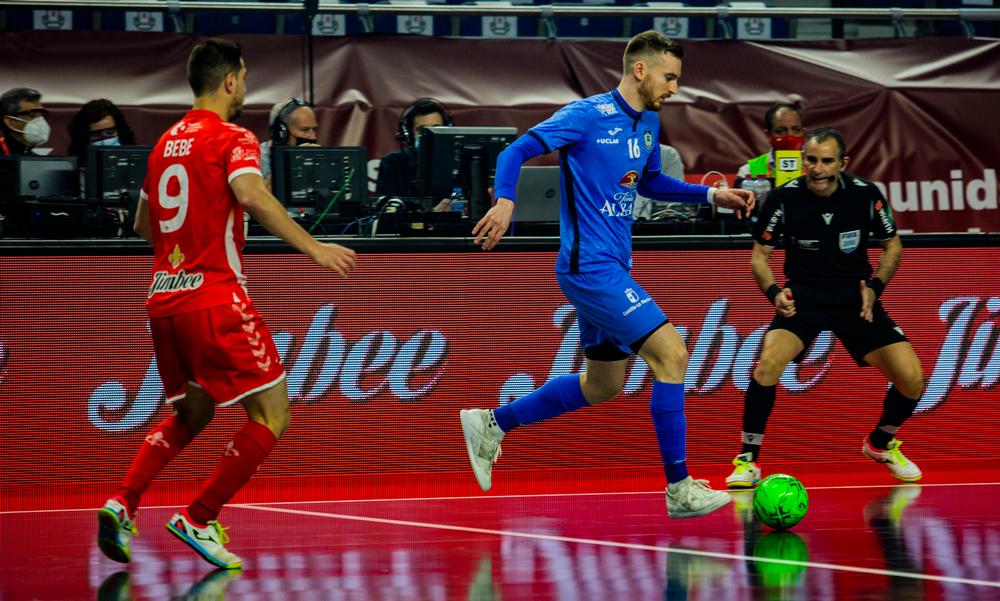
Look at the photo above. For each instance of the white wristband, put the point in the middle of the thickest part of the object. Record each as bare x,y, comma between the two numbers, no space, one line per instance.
711,194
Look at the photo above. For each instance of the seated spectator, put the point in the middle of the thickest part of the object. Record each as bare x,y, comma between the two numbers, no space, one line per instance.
23,127
292,122
397,172
646,208
98,123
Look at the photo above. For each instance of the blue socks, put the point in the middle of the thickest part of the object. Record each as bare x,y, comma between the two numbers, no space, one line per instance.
555,397
667,407
563,394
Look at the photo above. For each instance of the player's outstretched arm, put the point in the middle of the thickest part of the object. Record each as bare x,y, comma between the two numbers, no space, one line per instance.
737,199
494,223
251,192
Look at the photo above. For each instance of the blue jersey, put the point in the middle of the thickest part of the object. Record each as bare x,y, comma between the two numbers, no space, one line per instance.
605,147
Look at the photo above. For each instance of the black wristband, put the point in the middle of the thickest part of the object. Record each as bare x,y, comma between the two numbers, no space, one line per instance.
876,285
772,292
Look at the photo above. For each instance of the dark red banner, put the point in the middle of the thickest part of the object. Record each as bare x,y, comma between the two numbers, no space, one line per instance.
918,117
379,365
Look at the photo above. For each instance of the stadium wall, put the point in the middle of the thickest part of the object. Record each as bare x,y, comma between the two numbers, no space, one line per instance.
917,113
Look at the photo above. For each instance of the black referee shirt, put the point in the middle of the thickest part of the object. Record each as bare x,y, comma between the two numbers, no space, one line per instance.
825,238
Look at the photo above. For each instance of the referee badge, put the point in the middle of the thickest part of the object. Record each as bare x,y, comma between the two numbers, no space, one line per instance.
849,241
647,139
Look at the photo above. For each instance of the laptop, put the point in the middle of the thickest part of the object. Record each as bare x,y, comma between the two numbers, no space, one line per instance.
538,195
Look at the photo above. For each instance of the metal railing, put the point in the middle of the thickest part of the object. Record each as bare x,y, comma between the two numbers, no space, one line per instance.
540,11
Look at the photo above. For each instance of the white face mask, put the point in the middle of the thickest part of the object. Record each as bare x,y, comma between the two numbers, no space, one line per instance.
112,141
36,132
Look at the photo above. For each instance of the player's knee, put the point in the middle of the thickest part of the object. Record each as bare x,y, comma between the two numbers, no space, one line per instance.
670,365
284,421
768,371
279,419
604,392
911,383
598,390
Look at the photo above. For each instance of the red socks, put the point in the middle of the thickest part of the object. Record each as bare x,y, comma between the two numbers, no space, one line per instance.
249,448
162,444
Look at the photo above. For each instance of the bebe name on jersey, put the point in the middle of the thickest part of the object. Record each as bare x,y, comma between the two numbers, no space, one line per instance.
178,148
164,282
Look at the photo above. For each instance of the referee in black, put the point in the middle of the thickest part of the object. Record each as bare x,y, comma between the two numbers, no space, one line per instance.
825,219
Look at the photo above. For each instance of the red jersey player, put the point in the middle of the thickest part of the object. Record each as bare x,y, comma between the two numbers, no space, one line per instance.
212,346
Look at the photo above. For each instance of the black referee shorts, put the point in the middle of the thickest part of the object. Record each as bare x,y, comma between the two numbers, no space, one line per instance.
858,336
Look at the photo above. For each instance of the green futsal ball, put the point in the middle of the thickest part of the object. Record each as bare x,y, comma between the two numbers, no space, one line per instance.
780,501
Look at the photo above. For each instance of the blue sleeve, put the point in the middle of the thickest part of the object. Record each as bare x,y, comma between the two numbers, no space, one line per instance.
509,164
565,127
667,189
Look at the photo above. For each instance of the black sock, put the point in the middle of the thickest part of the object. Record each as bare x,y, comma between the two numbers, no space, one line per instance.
757,405
896,409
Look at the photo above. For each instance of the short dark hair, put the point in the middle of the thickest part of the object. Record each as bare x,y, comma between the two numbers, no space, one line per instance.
773,110
92,112
424,106
822,134
649,42
10,102
210,62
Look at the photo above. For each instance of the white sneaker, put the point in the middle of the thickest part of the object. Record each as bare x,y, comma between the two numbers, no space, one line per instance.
899,466
207,541
482,441
692,498
746,474
115,531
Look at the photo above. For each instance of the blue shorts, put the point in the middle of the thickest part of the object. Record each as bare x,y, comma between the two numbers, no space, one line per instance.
615,314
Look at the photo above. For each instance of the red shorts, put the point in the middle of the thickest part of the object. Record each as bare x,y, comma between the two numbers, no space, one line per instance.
226,350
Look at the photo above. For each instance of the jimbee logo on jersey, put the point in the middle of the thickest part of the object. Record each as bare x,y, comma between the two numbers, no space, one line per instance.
849,241
647,140
630,179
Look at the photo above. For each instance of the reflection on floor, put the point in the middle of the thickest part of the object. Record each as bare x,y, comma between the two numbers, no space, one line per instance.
878,542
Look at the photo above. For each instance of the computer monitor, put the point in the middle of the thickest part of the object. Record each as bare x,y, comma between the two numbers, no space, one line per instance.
538,195
115,174
312,177
461,157
38,178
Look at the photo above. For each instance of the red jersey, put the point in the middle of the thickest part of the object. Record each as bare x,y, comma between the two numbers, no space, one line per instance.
196,220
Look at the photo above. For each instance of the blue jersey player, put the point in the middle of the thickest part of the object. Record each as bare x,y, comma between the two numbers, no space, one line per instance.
609,151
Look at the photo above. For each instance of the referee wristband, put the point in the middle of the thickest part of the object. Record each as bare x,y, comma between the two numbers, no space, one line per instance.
876,285
772,292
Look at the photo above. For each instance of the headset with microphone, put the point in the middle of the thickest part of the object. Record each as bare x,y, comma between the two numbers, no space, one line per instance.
420,106
279,129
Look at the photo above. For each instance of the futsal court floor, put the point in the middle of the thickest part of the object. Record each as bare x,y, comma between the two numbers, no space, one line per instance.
863,539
